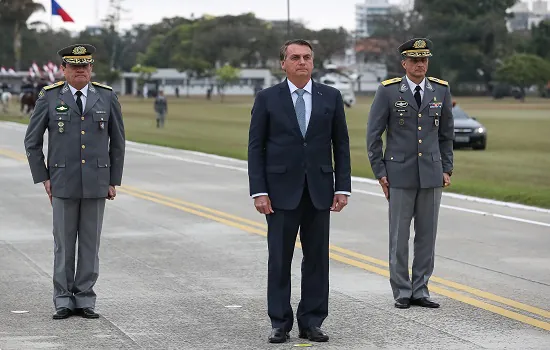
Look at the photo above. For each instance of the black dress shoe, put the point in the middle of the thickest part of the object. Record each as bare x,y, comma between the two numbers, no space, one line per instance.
88,312
403,303
425,302
278,335
62,313
313,334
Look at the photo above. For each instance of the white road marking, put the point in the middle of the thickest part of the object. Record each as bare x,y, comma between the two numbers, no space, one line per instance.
138,148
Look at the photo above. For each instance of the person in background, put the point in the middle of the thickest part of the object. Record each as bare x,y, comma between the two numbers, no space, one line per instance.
161,108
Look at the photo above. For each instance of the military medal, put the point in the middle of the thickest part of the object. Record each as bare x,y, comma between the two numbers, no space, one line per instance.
401,121
102,125
436,121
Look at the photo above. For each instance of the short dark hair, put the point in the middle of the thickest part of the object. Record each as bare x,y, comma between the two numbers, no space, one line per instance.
302,42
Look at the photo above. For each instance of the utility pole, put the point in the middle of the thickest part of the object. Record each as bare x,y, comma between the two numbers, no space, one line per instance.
288,18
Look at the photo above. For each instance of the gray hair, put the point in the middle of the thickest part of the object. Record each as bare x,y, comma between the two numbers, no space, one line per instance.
302,42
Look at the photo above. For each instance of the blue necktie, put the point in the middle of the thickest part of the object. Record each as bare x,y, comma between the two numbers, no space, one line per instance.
300,108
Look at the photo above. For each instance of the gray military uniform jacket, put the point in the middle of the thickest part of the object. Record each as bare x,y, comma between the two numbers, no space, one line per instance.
419,141
85,151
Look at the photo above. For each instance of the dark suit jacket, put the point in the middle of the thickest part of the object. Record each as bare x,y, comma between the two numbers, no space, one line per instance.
280,158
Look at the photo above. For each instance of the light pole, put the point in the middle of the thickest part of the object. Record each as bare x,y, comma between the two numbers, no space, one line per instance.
288,18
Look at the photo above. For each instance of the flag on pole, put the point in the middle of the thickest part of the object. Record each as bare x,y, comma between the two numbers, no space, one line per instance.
58,11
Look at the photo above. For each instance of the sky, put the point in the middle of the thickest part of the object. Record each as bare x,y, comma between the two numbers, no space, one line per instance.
316,14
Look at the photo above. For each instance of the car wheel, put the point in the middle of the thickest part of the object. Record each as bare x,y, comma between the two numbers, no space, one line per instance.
480,147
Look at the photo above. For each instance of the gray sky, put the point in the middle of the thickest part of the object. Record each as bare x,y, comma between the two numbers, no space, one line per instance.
317,14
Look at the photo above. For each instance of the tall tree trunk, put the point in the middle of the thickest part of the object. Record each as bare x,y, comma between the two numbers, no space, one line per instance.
17,45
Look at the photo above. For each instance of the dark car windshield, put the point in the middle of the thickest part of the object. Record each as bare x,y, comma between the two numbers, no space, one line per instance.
458,113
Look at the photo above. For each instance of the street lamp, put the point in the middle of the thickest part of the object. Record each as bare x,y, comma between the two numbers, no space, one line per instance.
288,18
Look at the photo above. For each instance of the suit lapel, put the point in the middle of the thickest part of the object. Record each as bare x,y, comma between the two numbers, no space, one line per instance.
91,99
316,105
428,95
67,97
406,93
288,106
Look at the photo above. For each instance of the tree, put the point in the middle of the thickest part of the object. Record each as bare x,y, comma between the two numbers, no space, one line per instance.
524,70
15,13
226,75
540,39
469,37
145,74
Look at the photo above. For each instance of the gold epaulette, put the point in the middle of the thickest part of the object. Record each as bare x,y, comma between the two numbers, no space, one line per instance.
54,85
439,81
391,81
102,85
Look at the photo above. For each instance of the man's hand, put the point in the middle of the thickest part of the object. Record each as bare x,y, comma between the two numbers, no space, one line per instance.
385,186
112,193
339,202
263,205
48,188
446,180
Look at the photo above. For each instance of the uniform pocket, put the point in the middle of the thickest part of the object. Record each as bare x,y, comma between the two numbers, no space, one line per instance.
394,157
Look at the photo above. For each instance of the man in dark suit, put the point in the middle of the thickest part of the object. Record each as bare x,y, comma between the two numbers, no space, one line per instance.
297,127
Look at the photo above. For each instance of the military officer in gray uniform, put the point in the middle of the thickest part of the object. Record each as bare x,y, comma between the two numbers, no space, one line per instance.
86,144
415,111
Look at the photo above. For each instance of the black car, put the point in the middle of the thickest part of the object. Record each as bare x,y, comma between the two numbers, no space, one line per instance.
468,131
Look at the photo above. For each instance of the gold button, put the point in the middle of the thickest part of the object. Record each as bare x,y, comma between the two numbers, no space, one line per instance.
400,114
419,115
83,161
420,154
391,158
82,118
83,146
419,141
82,132
419,128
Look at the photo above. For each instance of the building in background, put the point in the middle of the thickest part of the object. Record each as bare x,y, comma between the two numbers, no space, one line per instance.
524,18
366,14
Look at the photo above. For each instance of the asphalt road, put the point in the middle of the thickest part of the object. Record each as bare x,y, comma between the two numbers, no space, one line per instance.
183,265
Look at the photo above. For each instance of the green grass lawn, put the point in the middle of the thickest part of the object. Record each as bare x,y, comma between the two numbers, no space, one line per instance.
514,167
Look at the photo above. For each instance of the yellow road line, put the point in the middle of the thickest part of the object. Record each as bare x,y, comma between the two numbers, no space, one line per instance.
447,283
380,271
219,217
14,155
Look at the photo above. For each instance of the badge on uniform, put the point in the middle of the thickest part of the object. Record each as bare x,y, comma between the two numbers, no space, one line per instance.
102,125
61,125
436,105
401,104
61,108
401,121
436,121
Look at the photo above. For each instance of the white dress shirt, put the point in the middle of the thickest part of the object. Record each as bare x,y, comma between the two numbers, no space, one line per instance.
309,102
412,86
84,96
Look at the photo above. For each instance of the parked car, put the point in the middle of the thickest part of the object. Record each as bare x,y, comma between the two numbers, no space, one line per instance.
469,133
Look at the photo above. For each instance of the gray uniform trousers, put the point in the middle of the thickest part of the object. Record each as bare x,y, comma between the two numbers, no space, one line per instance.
422,204
72,218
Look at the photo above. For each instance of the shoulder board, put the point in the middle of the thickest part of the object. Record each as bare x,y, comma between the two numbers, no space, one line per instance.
439,81
54,85
391,81
102,85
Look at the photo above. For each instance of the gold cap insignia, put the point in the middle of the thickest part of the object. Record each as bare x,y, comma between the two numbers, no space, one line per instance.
419,44
79,50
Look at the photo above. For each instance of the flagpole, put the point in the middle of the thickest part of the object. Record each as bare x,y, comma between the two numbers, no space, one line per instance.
51,15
